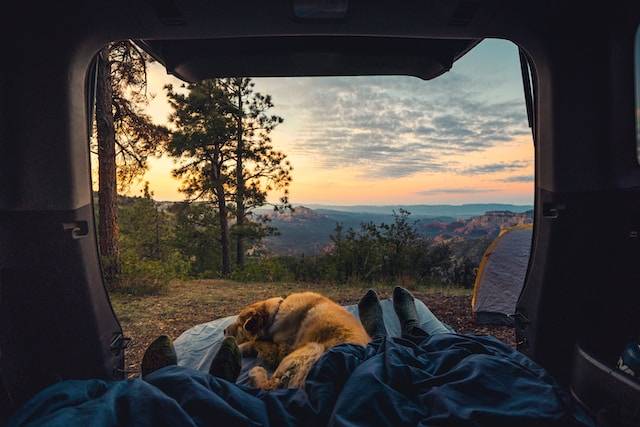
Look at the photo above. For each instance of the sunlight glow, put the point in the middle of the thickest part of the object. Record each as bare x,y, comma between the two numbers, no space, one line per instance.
456,164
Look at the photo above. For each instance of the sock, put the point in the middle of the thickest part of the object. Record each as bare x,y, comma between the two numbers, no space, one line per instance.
370,313
159,354
405,308
227,363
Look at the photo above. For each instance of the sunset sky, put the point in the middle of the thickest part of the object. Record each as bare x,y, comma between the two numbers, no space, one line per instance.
460,138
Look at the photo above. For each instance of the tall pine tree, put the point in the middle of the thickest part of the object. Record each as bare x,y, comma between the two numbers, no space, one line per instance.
223,141
259,168
203,145
125,138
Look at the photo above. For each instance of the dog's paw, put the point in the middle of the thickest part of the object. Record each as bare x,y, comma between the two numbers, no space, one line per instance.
269,353
258,377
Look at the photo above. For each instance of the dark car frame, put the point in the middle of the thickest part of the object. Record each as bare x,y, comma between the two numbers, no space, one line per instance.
581,300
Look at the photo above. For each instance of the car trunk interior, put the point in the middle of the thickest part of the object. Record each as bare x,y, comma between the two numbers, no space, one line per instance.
579,305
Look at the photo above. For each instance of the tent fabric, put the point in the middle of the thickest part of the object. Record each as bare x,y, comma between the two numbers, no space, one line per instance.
197,346
442,380
501,276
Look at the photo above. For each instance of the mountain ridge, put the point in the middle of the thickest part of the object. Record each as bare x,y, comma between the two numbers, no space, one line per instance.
435,210
307,231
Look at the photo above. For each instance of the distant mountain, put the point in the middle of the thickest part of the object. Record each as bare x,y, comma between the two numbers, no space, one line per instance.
307,231
486,225
455,211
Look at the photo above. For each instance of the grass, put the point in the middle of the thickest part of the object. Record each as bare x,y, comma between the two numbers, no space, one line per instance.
188,303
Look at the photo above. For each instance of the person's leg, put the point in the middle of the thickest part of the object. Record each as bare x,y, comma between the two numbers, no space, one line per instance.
159,354
370,313
227,363
405,308
429,322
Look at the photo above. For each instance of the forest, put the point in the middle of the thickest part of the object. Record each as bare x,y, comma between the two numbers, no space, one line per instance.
160,243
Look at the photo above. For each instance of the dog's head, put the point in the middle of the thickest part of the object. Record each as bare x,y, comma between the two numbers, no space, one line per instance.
254,321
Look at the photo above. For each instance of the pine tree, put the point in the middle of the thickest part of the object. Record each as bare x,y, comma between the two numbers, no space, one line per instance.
196,235
125,138
145,229
259,168
203,145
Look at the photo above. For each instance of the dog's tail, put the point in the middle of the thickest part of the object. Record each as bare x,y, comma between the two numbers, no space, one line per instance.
293,370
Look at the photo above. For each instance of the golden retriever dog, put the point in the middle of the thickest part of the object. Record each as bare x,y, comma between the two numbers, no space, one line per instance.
290,334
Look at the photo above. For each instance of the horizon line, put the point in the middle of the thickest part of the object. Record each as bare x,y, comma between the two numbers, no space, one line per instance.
303,204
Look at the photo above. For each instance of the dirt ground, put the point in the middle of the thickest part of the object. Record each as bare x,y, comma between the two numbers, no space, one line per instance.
186,304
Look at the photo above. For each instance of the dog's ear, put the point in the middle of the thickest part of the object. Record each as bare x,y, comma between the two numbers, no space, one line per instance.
254,323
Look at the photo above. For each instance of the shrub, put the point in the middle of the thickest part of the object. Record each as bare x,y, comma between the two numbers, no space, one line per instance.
263,270
149,276
313,269
142,278
111,271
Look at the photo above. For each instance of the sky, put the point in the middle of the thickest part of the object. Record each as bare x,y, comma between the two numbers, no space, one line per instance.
459,138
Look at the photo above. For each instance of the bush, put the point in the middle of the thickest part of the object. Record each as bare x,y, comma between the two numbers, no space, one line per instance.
314,269
143,278
111,272
263,270
394,254
149,276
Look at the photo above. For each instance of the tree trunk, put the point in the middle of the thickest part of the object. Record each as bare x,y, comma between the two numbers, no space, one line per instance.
108,230
156,249
240,211
224,231
218,189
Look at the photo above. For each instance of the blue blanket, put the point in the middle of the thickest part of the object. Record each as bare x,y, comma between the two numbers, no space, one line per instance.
442,380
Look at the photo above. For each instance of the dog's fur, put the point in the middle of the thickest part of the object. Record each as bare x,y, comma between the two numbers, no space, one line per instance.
291,334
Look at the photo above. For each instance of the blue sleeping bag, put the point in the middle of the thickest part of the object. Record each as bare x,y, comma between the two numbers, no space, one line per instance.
442,380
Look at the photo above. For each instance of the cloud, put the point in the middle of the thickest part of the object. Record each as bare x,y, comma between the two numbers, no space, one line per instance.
518,178
398,126
495,167
454,191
